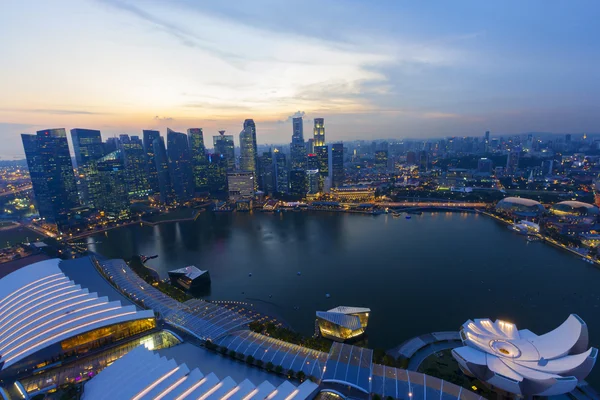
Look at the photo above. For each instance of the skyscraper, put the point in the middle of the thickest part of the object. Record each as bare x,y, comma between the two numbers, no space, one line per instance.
248,147
281,174
134,162
113,199
298,147
88,147
298,182
199,160
149,138
223,144
512,161
381,159
322,153
423,161
165,186
180,164
51,171
336,164
319,132
240,185
266,172
217,173
87,144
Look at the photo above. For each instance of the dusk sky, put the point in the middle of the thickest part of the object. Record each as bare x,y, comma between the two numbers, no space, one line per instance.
372,69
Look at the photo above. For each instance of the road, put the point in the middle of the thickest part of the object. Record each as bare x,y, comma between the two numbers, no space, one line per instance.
447,204
19,190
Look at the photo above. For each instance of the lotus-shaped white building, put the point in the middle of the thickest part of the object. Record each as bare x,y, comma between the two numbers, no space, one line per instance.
521,362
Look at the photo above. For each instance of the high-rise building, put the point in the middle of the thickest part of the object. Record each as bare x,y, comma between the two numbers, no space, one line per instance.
88,147
51,171
336,165
381,159
199,160
165,186
423,161
312,161
319,132
134,161
149,137
322,153
411,158
240,185
266,172
281,172
298,182
248,147
568,138
180,165
110,145
223,145
113,199
310,146
312,181
512,162
217,173
298,147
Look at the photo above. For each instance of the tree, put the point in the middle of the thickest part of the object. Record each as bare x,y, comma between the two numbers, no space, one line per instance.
376,397
232,353
250,359
300,375
269,366
259,363
278,369
240,356
389,361
291,373
223,350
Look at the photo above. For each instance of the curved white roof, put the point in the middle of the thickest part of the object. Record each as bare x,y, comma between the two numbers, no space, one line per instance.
576,204
520,200
523,363
40,306
141,374
190,271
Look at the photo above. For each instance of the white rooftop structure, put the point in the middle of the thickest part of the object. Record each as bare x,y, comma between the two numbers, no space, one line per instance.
190,272
142,374
349,310
347,321
521,362
40,306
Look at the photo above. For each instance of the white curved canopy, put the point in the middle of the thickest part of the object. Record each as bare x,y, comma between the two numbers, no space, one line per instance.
522,362
40,306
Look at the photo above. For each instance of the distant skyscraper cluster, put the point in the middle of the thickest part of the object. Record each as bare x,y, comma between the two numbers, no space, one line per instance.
110,175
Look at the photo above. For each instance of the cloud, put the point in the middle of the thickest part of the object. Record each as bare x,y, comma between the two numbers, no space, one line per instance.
54,111
297,114
159,118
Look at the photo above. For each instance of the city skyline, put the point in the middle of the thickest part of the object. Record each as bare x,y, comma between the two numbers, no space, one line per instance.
372,71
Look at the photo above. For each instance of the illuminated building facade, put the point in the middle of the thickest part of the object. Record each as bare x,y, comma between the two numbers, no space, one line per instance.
113,198
134,157
248,148
319,132
281,173
240,185
149,137
523,363
199,161
353,194
266,183
322,153
51,172
165,186
298,186
519,207
381,159
343,323
48,317
223,144
298,147
217,173
336,164
180,165
574,210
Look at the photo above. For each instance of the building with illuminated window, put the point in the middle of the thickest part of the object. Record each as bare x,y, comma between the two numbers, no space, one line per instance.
574,210
48,320
343,323
223,144
353,194
319,132
149,136
519,207
241,185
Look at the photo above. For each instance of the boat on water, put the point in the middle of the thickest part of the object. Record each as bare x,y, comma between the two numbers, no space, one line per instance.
408,217
396,214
